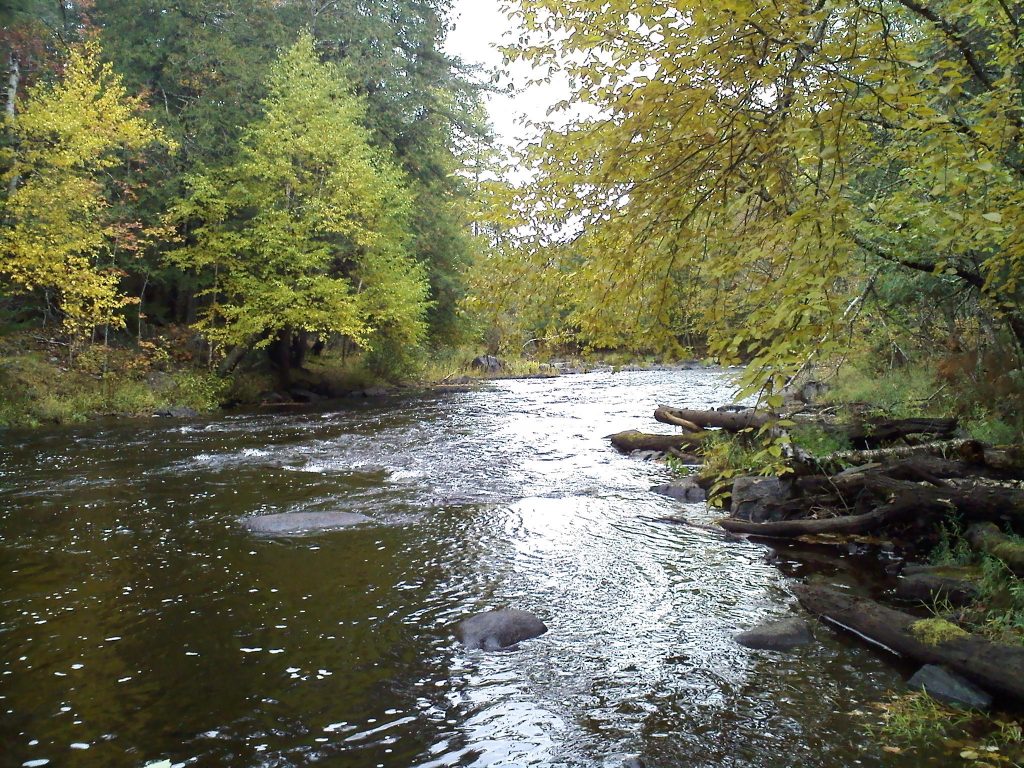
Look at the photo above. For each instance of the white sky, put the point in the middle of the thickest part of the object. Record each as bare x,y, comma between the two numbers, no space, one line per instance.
479,27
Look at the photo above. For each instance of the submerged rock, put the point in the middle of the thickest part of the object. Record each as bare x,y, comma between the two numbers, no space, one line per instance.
177,412
685,489
784,635
499,629
305,395
939,683
289,523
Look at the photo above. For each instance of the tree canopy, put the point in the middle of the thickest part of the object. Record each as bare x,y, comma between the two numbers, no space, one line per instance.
200,74
753,165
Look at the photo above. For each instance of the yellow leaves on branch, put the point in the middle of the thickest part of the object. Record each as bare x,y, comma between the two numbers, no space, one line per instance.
754,162
61,233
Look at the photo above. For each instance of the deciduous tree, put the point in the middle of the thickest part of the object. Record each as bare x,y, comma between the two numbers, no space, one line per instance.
62,233
754,163
307,229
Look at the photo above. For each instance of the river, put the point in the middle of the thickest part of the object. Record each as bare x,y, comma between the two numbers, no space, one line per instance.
139,622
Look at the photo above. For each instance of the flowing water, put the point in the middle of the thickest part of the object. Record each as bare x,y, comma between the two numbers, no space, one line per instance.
140,623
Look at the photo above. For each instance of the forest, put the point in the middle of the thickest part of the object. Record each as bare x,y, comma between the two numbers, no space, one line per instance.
196,180
198,184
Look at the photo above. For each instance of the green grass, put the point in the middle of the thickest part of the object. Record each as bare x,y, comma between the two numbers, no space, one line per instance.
982,425
998,613
919,388
903,392
818,441
952,548
41,388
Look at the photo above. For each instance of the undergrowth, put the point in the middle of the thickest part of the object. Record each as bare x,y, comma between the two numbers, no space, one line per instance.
960,385
908,721
41,386
998,611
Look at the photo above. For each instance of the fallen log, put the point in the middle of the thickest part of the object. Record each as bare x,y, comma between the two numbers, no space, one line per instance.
931,584
868,434
878,432
632,440
970,451
731,421
987,538
897,512
978,503
669,418
997,667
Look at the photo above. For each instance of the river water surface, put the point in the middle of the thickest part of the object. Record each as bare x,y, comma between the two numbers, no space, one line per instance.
139,623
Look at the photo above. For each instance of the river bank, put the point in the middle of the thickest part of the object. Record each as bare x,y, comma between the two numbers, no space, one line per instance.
935,515
43,386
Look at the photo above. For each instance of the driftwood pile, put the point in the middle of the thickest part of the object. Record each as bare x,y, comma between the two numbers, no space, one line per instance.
902,481
927,477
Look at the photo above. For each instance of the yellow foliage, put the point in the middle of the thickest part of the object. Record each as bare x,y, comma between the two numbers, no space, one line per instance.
751,165
60,233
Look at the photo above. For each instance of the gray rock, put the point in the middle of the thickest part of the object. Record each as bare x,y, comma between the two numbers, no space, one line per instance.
807,392
646,455
684,489
753,498
784,635
291,523
488,363
494,630
633,762
939,683
305,395
176,412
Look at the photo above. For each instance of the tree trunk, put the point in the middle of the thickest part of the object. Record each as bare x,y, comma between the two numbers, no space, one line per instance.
630,441
730,421
873,434
995,667
981,503
968,450
13,81
10,109
280,352
905,510
238,353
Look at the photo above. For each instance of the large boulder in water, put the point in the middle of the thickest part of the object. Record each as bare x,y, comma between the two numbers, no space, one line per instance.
494,630
784,635
684,489
292,523
939,683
